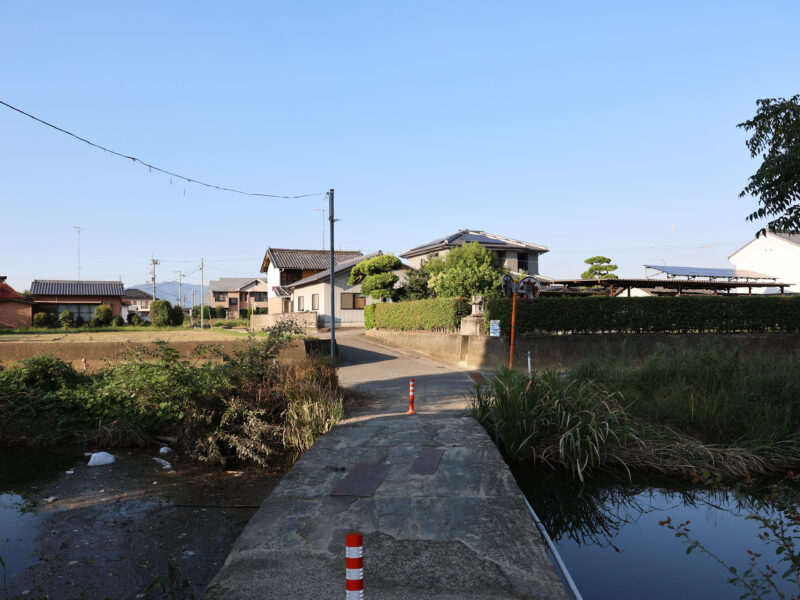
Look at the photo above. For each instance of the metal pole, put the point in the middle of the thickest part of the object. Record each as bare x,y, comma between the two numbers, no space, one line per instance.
513,327
202,286
333,284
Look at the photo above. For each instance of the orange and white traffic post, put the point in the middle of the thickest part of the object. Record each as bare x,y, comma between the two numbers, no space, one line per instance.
354,563
411,410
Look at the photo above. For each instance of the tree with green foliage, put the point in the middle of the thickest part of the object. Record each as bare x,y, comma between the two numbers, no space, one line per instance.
65,317
160,312
600,268
176,316
375,276
466,271
776,138
103,313
416,285
206,312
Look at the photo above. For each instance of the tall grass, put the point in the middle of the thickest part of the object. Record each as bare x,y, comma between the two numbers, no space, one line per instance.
696,411
243,405
713,394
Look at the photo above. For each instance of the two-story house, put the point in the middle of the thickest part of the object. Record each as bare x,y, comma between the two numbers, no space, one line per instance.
514,255
136,301
238,294
286,266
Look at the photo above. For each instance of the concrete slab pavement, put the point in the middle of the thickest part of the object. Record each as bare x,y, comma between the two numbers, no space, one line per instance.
461,532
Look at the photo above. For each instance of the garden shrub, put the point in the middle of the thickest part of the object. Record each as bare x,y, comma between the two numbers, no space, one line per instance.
43,319
369,316
104,314
134,318
160,313
65,318
176,315
433,314
118,321
79,322
94,322
685,314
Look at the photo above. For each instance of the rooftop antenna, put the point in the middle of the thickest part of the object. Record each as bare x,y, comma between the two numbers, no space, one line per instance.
323,211
78,230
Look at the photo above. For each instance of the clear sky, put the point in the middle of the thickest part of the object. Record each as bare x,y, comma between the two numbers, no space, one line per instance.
588,127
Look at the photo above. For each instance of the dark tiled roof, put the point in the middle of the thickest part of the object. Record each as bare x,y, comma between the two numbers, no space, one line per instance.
230,284
137,294
465,236
281,292
55,287
324,275
282,258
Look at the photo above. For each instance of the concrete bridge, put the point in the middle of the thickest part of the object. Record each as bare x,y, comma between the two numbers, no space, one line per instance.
441,514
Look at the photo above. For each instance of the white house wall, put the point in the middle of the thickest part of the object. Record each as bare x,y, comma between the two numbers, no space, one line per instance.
343,317
773,256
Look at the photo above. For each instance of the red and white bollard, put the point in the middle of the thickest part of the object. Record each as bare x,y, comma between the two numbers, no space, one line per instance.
411,410
354,563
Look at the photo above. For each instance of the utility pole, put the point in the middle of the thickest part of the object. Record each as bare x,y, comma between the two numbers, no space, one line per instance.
323,211
333,284
154,262
78,230
202,287
191,311
180,293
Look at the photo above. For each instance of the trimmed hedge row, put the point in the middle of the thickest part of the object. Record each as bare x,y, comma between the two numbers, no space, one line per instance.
686,314
434,314
369,316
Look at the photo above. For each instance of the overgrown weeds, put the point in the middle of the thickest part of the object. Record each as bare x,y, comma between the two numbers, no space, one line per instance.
242,405
609,414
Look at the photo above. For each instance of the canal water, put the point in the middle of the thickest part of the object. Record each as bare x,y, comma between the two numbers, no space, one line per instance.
608,534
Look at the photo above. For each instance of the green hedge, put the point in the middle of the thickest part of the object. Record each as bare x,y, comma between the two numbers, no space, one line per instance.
687,314
434,314
369,316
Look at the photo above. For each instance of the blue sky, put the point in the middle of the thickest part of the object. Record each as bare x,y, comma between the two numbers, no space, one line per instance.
591,128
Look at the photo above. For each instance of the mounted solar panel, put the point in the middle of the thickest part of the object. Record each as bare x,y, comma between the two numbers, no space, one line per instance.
708,272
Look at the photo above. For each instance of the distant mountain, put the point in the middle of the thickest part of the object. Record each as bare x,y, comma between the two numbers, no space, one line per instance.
168,290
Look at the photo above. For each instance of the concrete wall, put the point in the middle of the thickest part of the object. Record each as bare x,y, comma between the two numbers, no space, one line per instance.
306,320
563,352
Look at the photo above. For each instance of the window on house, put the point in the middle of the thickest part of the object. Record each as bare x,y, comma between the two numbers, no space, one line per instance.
233,301
314,301
290,276
353,301
260,296
300,303
522,262
220,296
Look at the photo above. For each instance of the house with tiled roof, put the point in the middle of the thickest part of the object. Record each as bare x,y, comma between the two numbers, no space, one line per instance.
79,297
776,253
514,255
15,310
314,294
136,301
284,266
238,294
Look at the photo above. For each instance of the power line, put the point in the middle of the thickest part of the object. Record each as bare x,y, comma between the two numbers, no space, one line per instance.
153,167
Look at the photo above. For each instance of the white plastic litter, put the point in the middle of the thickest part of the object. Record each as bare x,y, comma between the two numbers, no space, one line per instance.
69,472
99,459
165,450
164,464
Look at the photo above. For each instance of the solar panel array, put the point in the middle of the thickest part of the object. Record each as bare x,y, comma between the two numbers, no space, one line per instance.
708,272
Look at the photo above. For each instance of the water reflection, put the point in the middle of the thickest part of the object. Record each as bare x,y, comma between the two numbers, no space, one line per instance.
608,535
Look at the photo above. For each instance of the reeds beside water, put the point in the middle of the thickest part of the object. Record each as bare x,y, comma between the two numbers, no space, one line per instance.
694,411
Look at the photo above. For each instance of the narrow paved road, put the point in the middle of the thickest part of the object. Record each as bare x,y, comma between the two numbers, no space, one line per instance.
382,373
